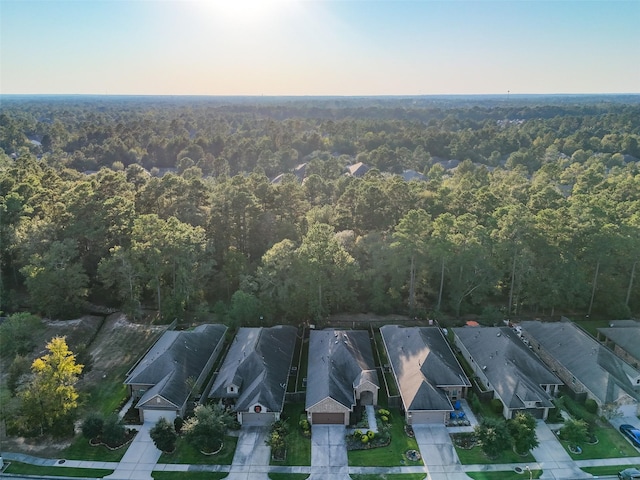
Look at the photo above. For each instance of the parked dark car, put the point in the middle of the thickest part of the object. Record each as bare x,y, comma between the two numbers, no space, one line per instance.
632,433
629,473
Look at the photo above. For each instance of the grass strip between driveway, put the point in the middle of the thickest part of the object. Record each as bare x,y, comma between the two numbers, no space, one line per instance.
392,455
189,475
389,476
606,470
509,475
475,456
19,468
611,444
80,449
186,453
288,476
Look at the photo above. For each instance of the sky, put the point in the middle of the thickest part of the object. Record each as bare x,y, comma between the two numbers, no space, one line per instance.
319,47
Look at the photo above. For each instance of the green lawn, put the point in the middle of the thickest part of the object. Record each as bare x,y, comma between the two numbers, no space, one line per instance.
509,475
391,455
185,453
26,469
611,444
477,456
108,394
81,450
288,476
298,446
592,325
189,475
389,476
606,470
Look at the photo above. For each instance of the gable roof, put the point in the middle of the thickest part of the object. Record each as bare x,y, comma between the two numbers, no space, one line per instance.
422,362
626,334
357,169
258,362
174,358
339,360
513,370
594,365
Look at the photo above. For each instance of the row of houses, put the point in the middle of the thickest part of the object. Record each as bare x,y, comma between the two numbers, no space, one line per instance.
523,367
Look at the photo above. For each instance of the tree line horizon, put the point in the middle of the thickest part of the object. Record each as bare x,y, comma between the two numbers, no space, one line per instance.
541,215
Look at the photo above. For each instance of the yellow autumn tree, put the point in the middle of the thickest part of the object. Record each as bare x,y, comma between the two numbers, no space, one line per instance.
50,397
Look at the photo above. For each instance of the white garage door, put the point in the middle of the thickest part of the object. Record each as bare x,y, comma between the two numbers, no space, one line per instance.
152,416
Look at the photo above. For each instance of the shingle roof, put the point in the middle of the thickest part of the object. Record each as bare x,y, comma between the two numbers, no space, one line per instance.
258,361
594,365
174,358
626,334
422,361
513,370
336,360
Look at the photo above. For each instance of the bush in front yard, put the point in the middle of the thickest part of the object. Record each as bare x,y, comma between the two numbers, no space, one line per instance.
92,426
164,435
590,405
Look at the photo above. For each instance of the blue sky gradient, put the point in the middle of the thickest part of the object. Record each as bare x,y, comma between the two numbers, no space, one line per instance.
320,47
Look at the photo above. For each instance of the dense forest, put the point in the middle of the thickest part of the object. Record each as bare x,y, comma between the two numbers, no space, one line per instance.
246,208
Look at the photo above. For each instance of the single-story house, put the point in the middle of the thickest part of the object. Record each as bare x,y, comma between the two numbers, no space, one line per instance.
253,378
504,364
585,365
341,374
427,372
176,365
623,337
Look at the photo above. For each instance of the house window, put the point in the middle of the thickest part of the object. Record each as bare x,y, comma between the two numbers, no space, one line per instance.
231,389
257,409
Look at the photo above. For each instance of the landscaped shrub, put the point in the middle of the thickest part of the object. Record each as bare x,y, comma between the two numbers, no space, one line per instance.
591,406
113,431
357,434
164,435
178,422
496,405
371,434
554,416
92,426
364,439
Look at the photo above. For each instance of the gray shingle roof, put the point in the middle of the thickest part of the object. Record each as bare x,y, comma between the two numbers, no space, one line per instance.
337,360
626,334
258,361
174,358
513,370
591,363
422,361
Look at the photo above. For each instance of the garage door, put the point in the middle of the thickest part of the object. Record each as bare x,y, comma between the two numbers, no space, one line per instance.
152,416
250,418
426,417
327,418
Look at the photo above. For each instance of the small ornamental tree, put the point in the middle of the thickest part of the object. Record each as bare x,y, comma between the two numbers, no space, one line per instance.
575,432
164,435
493,436
92,426
50,398
523,431
206,429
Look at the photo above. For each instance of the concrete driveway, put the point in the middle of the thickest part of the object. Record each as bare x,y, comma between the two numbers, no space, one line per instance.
252,455
438,454
329,452
140,459
552,457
